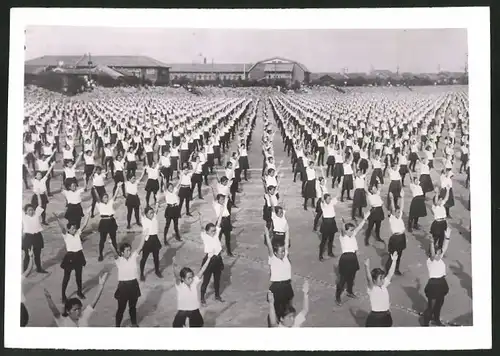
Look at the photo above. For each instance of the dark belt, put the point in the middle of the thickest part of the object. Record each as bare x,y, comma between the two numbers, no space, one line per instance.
171,205
185,186
107,216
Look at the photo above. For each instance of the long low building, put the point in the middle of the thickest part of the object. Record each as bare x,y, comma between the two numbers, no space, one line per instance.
142,67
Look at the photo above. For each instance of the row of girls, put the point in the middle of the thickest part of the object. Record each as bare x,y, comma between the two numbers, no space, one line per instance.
128,290
367,189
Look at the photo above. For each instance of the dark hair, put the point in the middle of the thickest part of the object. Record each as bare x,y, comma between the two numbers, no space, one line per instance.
349,226
27,206
147,210
289,309
219,196
70,303
124,246
209,226
68,226
326,196
184,271
376,273
277,209
224,179
270,187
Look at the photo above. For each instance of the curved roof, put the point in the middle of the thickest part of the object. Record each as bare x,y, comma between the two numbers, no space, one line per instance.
303,67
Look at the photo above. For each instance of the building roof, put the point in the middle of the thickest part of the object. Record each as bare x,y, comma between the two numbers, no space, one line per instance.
316,76
279,67
303,67
209,67
110,61
382,73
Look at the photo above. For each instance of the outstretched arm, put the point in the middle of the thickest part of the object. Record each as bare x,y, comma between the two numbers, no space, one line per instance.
204,267
273,321
368,274
53,308
102,281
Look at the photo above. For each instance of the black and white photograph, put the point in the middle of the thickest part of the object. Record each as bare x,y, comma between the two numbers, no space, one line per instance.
268,169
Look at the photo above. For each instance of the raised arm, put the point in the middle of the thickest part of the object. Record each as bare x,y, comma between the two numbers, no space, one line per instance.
86,220
272,313
61,225
390,273
268,242
29,268
446,242
204,267
175,271
78,160
305,305
368,274
53,308
102,281
360,226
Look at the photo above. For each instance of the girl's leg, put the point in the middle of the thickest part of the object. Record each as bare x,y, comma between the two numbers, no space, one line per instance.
176,229
137,219
67,275
122,304
165,231
78,276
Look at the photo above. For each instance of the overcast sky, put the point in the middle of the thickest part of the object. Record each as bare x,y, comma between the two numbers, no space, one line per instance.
319,50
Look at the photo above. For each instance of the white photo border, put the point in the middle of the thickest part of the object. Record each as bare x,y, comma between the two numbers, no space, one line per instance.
478,336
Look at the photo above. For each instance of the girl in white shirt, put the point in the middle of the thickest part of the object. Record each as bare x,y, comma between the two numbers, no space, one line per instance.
425,178
309,185
152,184
127,291
439,225
185,191
73,316
347,180
348,262
131,160
88,157
132,201
39,187
417,205
188,304
32,236
290,318
281,275
210,237
118,176
243,160
74,258
397,241
107,225
151,242
165,169
447,186
437,287
69,174
378,281
376,213
172,211
74,211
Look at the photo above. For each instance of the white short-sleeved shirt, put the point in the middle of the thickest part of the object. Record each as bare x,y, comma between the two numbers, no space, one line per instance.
416,190
31,224
374,200
439,212
394,175
127,268
118,165
379,297
436,268
397,225
311,173
223,189
65,321
73,197
220,208
131,188
69,172
271,200
211,244
187,296
171,198
39,186
281,270
348,243
300,319
106,209
73,242
186,179
328,210
359,182
279,224
152,173
150,227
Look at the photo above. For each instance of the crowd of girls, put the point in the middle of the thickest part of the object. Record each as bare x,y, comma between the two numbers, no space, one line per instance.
177,156
367,151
